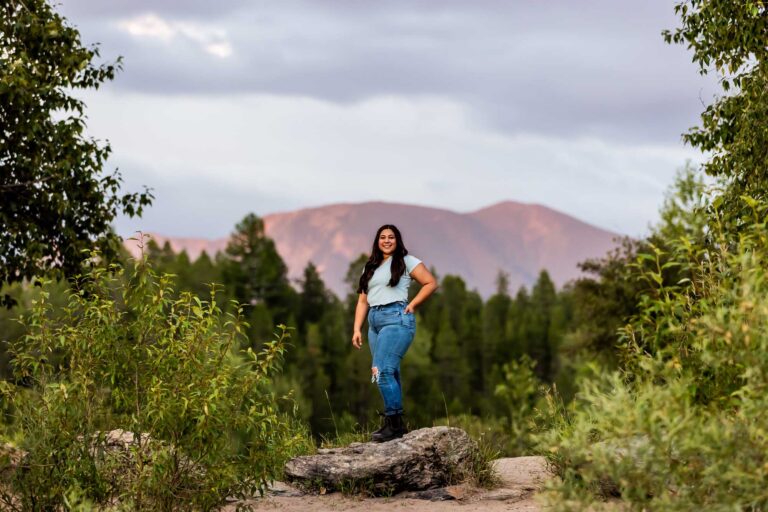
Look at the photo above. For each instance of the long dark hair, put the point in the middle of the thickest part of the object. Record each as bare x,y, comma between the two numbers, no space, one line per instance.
377,256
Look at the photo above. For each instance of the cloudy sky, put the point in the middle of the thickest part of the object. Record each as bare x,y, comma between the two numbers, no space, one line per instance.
234,106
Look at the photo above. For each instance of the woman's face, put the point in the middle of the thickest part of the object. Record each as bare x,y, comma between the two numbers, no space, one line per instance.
387,242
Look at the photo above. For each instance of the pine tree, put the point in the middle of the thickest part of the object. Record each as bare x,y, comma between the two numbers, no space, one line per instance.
450,353
450,368
495,339
314,299
204,273
315,381
495,313
473,350
255,272
183,269
421,394
518,327
540,345
167,259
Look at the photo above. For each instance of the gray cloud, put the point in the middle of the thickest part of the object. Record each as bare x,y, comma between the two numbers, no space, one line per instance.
560,67
197,206
94,10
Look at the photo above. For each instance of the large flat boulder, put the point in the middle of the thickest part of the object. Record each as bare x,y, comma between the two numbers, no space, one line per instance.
422,459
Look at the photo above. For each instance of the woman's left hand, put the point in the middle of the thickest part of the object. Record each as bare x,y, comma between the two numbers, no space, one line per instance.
409,309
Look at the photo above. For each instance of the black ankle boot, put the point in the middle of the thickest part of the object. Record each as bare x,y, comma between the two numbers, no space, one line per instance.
398,425
384,423
394,427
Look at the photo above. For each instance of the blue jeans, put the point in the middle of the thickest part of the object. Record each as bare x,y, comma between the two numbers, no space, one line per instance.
390,333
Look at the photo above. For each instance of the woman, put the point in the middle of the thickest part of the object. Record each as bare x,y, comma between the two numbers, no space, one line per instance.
383,289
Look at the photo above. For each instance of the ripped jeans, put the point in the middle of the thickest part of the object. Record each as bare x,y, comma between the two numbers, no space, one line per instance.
390,333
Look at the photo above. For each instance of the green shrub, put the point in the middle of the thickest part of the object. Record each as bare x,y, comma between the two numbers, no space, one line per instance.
519,391
127,352
684,426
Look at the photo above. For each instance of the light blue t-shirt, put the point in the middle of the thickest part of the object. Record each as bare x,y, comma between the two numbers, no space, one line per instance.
379,291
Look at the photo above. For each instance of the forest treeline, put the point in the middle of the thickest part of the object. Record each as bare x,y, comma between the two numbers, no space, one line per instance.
471,357
455,366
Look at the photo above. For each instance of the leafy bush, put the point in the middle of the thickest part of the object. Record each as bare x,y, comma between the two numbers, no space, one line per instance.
519,391
127,352
510,435
684,426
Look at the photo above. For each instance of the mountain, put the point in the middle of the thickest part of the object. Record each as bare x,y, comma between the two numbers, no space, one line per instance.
520,239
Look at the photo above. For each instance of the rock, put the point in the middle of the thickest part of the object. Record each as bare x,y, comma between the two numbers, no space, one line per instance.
121,447
115,444
119,442
10,458
282,489
123,439
439,494
423,459
119,455
519,478
524,473
507,494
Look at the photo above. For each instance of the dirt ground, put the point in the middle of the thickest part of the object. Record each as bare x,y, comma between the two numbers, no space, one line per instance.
520,478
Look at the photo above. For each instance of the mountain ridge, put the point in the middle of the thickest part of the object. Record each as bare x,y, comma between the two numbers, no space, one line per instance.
518,238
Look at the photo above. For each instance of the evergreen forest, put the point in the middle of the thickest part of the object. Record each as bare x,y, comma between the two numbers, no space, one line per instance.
481,361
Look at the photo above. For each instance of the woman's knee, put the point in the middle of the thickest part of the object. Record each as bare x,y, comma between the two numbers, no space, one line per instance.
386,372
383,372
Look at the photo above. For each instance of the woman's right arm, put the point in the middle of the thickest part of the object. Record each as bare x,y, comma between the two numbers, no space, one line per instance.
360,311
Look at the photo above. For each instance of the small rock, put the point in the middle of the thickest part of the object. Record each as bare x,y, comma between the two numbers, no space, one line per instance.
439,494
519,478
507,494
10,458
521,472
284,490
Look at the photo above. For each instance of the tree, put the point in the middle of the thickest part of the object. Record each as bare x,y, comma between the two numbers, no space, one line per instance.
183,271
451,369
351,279
453,345
495,315
730,36
540,344
608,295
314,299
518,327
517,391
168,368
502,283
604,299
683,215
254,270
418,375
354,271
205,273
162,258
696,366
314,379
55,202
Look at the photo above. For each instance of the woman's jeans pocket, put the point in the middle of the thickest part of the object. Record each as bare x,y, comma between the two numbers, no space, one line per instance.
408,320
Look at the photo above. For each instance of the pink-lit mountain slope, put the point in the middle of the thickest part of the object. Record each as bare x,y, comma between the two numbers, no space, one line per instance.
520,239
